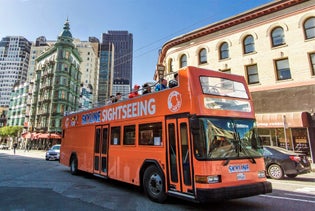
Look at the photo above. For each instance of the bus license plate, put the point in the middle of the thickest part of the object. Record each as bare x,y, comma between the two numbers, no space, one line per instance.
240,176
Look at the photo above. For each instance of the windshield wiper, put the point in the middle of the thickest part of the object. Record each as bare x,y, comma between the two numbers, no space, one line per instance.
226,162
246,152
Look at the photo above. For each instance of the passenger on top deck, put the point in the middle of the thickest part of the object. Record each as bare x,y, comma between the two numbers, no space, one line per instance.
134,93
162,85
146,88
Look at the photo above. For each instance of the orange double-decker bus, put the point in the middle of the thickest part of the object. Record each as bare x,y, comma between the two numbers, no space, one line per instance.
196,141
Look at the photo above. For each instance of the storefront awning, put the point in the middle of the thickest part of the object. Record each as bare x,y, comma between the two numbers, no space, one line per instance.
55,136
27,135
278,120
43,136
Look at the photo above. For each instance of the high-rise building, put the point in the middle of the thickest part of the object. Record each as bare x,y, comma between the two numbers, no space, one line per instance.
19,109
115,63
40,46
14,60
56,87
89,68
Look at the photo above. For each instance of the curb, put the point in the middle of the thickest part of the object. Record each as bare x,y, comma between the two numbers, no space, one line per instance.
31,153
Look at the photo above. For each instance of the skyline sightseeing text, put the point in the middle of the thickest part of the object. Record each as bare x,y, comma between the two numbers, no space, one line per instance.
130,110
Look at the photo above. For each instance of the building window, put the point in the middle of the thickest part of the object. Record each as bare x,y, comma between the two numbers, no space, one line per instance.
312,60
252,74
309,28
277,37
283,69
183,61
248,44
203,56
224,50
170,65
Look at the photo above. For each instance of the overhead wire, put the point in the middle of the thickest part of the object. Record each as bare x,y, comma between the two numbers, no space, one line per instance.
169,36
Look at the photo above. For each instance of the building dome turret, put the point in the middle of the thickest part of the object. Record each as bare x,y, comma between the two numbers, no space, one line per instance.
66,30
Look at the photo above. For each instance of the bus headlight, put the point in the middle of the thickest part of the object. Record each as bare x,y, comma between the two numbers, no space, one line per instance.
261,174
208,179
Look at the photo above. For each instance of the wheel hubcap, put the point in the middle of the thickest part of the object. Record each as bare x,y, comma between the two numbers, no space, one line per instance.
275,172
155,184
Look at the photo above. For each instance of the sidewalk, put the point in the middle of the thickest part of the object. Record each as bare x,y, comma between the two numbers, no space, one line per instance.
31,153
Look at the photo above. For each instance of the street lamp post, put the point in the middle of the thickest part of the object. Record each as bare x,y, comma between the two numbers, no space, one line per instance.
160,70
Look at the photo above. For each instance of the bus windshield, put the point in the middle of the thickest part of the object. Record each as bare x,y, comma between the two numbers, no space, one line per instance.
226,138
223,87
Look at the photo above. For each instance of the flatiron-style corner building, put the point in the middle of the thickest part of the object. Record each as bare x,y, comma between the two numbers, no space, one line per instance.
273,47
56,88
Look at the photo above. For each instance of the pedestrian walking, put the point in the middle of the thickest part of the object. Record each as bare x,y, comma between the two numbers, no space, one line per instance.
14,147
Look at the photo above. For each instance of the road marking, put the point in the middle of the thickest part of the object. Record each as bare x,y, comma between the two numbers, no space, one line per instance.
309,190
299,195
288,183
286,198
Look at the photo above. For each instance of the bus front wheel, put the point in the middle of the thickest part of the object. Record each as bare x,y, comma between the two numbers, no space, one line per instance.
154,185
74,165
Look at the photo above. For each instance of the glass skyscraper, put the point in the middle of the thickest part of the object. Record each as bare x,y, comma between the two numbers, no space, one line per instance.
115,64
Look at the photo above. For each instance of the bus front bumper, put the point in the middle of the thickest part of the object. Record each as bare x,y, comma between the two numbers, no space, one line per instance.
226,193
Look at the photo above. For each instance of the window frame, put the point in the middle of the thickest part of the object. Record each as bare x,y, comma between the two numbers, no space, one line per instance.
112,137
170,65
224,51
310,28
249,75
127,130
151,131
278,71
311,57
277,38
203,56
248,44
183,61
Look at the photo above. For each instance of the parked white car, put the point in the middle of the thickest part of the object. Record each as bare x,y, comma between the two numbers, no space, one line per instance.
53,153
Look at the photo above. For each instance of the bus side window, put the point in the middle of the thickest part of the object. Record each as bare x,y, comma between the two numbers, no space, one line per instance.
129,135
150,134
115,136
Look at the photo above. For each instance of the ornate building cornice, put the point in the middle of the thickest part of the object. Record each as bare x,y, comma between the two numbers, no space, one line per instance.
227,23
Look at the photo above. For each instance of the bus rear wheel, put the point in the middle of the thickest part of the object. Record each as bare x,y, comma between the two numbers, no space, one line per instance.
74,165
154,185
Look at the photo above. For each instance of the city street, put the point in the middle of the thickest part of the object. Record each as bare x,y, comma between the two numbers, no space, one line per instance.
29,182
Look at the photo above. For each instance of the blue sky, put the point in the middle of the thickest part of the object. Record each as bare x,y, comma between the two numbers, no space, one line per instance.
152,22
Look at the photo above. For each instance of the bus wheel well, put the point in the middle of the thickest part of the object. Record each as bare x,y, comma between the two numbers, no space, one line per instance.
73,163
144,166
72,156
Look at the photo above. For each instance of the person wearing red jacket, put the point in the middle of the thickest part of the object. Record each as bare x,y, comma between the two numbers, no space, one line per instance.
134,93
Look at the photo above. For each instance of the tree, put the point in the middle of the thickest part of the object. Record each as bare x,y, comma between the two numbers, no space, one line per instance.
11,131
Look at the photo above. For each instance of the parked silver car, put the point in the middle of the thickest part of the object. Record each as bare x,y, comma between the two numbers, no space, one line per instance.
53,153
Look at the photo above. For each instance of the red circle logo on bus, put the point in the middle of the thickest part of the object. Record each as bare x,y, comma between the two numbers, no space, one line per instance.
174,101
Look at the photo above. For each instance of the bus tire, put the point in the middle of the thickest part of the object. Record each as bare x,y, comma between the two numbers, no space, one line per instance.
154,184
74,165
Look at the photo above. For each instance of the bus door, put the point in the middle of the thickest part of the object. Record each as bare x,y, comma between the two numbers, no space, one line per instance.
100,150
179,156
